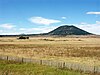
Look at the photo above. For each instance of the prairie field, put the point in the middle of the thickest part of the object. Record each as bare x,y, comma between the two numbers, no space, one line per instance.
80,50
15,68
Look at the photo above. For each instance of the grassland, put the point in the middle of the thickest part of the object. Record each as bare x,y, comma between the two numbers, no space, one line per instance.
84,50
80,50
15,68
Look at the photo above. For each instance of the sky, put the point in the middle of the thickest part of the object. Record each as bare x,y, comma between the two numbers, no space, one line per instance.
42,16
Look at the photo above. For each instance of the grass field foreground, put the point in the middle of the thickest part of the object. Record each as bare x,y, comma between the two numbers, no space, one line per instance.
15,68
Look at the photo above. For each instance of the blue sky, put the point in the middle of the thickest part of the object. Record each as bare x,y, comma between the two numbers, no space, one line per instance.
40,16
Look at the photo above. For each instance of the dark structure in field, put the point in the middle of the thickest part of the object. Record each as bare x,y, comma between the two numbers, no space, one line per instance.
23,37
68,30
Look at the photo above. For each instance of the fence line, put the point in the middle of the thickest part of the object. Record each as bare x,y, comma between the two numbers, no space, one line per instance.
59,64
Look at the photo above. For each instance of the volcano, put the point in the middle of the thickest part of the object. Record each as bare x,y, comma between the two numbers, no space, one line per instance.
68,30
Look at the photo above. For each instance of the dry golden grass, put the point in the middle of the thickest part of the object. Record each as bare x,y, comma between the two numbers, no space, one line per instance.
80,50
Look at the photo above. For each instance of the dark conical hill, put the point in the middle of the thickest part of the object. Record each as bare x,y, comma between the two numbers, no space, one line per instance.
68,30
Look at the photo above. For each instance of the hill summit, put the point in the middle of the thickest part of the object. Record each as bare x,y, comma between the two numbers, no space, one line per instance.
68,30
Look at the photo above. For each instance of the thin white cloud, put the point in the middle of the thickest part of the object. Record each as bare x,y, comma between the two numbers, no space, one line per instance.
22,29
37,30
10,33
63,17
43,21
7,26
98,22
83,23
95,13
1,31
